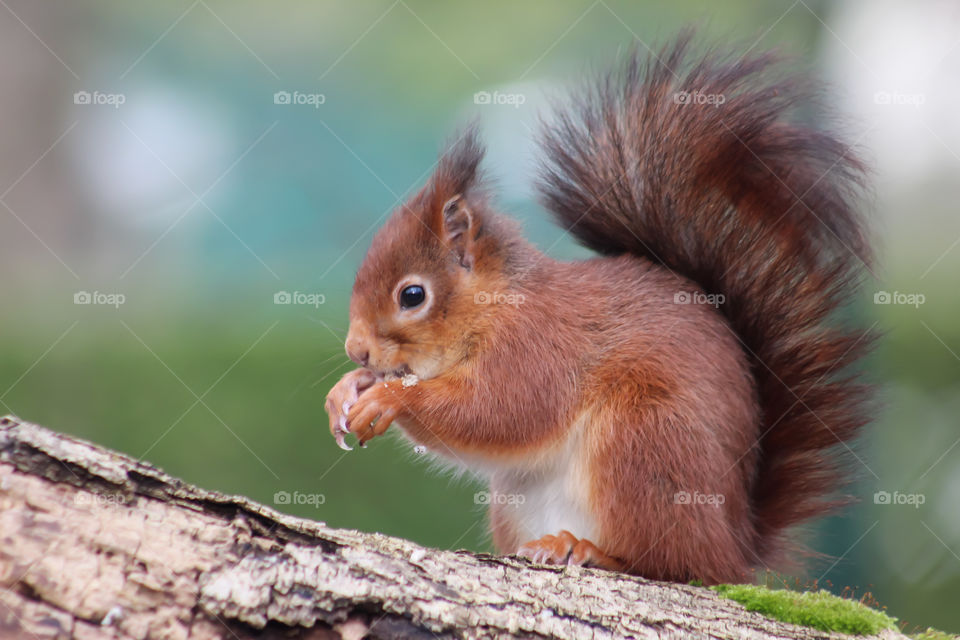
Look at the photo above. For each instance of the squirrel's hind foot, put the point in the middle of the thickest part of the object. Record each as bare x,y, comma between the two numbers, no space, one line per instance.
565,548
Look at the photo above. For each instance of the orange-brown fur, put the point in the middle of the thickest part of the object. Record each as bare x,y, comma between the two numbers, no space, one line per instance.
587,384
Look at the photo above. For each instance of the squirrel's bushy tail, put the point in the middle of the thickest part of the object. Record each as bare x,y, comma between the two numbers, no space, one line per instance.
694,165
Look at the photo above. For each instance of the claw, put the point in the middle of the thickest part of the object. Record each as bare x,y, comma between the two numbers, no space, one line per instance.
564,548
342,429
341,442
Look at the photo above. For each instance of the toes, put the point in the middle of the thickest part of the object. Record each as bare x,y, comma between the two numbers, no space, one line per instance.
342,399
365,380
361,419
535,550
385,420
567,540
581,554
338,428
587,554
565,548
548,549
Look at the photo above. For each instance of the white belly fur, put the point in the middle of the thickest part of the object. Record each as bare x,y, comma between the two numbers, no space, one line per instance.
541,497
545,502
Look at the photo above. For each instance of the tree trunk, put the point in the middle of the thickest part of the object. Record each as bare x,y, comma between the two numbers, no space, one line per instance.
94,544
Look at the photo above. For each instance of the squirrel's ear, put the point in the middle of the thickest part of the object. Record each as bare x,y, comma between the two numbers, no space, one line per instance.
458,229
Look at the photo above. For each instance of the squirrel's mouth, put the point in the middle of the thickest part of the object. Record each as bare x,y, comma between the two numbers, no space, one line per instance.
394,374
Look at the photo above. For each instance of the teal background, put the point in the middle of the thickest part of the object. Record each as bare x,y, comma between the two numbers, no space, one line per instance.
199,372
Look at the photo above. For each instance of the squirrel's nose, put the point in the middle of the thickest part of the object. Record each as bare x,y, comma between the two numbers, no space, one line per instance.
357,352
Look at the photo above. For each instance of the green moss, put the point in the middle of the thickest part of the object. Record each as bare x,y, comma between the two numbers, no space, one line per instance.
816,609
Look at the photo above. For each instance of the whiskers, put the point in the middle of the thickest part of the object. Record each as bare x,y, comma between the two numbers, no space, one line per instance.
338,366
346,361
338,332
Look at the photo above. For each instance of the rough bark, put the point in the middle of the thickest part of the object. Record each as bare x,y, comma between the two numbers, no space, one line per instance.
94,544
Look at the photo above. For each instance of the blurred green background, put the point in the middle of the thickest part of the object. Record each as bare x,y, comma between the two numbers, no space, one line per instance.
184,186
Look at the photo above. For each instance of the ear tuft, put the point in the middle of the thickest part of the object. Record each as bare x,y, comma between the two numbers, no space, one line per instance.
458,170
458,228
454,184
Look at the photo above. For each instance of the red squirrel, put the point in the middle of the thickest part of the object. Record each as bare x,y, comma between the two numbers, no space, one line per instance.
673,407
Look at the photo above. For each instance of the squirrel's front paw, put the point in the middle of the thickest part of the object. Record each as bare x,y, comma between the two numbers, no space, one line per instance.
342,397
375,410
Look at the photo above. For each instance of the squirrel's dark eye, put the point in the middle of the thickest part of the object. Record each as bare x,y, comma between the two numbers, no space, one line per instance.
412,296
